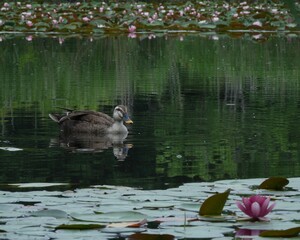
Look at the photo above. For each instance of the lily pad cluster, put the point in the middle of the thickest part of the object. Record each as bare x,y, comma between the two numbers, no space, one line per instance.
132,17
116,212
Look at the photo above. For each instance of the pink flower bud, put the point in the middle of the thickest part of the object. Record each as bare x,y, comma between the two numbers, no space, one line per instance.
29,23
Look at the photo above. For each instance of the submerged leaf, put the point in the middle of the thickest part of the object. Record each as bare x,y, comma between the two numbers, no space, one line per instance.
291,232
144,236
214,204
79,226
274,183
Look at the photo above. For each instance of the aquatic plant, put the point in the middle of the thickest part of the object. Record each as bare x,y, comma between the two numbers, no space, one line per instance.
107,212
112,17
256,207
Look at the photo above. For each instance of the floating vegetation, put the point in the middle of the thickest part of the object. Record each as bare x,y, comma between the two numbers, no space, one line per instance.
132,18
274,183
128,213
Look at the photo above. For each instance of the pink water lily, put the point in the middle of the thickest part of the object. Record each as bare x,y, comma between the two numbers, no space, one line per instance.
256,206
131,29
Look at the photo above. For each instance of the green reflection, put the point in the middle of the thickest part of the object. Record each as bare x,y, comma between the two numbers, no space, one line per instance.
203,109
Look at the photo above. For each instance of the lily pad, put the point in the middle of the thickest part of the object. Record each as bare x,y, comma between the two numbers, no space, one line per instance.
113,217
291,232
214,204
274,183
50,213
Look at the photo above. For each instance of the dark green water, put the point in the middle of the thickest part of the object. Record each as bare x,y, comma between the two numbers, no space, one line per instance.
203,109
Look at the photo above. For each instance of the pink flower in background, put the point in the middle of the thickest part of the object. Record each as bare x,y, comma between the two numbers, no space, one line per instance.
215,19
86,19
256,206
257,23
131,28
29,23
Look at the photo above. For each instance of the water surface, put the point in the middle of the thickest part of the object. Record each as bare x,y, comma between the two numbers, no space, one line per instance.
203,109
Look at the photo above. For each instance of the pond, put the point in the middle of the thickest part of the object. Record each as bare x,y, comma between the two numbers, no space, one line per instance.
204,107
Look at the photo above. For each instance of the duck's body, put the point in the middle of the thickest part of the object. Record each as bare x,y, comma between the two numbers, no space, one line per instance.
87,121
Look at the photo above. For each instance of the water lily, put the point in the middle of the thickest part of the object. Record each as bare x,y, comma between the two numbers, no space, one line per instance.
29,23
257,23
85,19
131,28
256,207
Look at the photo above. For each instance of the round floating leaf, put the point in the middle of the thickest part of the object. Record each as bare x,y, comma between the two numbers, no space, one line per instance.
50,213
274,183
112,217
42,24
208,26
214,204
291,232
144,236
79,226
98,22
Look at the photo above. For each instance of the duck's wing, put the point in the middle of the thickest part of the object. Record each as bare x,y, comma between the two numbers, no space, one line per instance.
88,116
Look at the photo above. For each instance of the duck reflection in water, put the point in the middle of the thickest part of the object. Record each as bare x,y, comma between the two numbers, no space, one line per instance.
91,131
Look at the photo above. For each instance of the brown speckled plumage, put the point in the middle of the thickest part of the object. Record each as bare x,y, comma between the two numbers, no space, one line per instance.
92,121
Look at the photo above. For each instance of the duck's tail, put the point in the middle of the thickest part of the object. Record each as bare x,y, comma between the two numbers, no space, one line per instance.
57,117
54,117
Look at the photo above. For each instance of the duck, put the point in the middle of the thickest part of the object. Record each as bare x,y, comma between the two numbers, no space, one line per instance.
89,121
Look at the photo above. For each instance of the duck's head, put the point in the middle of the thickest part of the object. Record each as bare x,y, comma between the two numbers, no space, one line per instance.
120,114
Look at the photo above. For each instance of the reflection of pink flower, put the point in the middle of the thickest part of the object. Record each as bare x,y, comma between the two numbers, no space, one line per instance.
247,232
29,38
256,206
132,35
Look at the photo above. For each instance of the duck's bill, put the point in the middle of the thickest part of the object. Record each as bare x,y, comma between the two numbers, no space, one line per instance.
128,121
